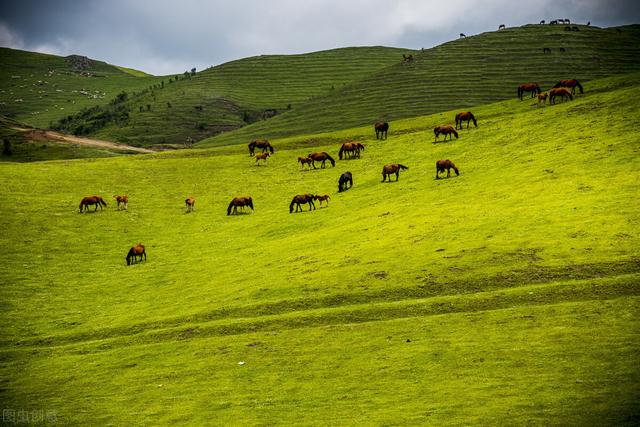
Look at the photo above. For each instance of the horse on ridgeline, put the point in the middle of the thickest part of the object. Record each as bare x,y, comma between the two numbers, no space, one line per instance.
562,92
92,200
381,128
190,203
260,143
239,202
441,165
345,178
444,130
263,157
394,168
305,161
321,157
301,199
124,200
135,252
571,84
465,116
534,88
321,199
351,149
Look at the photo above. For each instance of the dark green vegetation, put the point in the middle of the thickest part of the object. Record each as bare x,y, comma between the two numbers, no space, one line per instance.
507,295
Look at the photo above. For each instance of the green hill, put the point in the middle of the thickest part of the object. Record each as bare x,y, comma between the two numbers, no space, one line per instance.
506,295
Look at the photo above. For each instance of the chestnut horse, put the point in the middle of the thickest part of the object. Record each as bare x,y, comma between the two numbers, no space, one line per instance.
122,199
239,202
191,204
92,200
135,252
387,170
444,130
542,97
468,116
381,128
351,148
571,84
561,92
345,178
321,199
263,157
301,199
260,143
305,161
441,165
320,157
534,88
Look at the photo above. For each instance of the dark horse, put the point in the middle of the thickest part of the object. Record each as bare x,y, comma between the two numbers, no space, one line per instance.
301,199
571,84
92,200
562,92
381,129
345,179
260,143
352,149
441,165
534,88
321,157
468,116
135,252
444,130
387,170
239,202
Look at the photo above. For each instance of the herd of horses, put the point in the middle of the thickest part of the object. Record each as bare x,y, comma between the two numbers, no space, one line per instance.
564,89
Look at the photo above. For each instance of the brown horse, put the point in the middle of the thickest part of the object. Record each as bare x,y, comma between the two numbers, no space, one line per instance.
381,128
571,84
321,199
190,202
92,200
122,199
387,170
263,157
305,161
441,165
465,116
561,92
239,202
320,157
352,149
301,199
260,143
542,97
444,130
534,88
135,252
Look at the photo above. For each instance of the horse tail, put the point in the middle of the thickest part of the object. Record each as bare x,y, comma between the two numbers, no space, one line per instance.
229,208
402,166
340,152
475,122
251,203
333,162
579,86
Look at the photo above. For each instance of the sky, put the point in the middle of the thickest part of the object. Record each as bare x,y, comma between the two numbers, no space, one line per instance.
170,36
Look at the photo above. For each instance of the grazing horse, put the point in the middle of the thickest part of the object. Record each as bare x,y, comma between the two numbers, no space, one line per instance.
381,129
239,202
554,22
260,143
465,116
352,149
263,157
135,252
321,157
345,178
542,22
571,84
542,97
122,199
445,130
502,27
441,165
387,170
301,199
407,58
321,199
534,88
305,161
92,200
561,92
190,202
546,50
462,35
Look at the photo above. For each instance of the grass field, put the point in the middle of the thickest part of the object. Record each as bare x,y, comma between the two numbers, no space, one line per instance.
506,295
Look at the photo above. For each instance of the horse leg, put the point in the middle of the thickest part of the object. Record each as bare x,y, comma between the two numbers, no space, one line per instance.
397,176
448,172
384,177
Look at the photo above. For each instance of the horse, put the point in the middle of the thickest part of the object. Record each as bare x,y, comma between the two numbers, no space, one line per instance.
462,35
571,84
260,143
122,199
190,202
407,58
445,130
305,161
542,22
542,97
263,157
387,170
350,148
546,50
135,252
501,27
562,92
381,129
92,200
345,178
321,157
468,116
321,199
301,199
534,88
554,22
239,202
562,49
441,165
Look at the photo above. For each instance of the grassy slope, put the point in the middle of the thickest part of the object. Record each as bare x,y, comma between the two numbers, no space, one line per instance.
460,74
516,282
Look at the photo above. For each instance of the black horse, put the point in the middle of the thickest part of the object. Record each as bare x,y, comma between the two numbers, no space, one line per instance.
342,182
381,128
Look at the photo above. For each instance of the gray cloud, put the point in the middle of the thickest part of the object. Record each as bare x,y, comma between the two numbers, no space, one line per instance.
164,36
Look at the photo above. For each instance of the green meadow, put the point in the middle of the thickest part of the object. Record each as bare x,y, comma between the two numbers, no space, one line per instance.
507,295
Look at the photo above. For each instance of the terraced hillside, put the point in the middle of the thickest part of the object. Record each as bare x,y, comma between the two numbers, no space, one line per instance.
505,295
459,74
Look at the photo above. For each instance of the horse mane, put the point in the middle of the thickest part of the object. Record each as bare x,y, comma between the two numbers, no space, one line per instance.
475,122
270,147
230,206
579,86
333,162
456,133
250,200
341,151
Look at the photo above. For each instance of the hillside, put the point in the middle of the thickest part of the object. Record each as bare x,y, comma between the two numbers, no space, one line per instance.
506,295
459,74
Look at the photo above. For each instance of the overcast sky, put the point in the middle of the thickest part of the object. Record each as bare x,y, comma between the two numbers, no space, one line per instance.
165,37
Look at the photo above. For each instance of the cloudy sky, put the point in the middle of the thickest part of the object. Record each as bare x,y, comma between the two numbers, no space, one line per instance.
164,36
